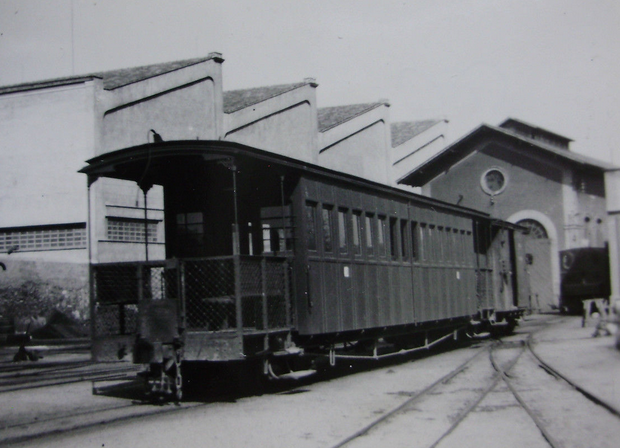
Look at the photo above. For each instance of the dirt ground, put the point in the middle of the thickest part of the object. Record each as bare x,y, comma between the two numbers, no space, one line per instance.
320,414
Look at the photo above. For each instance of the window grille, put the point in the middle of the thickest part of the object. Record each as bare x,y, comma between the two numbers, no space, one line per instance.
52,237
131,230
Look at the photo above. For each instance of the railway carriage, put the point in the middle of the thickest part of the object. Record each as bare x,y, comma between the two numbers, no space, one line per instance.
272,259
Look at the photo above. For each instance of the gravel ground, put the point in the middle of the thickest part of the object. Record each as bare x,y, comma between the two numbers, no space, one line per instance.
591,362
322,414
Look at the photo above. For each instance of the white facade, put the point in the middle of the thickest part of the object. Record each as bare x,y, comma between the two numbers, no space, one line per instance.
49,129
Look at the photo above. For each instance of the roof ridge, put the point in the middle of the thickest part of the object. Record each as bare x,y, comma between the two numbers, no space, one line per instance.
167,67
533,127
374,104
301,83
424,170
564,153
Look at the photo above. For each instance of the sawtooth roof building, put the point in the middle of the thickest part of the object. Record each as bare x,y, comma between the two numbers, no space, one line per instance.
51,127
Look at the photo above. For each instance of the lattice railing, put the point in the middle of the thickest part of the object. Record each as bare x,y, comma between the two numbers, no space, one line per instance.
236,293
119,287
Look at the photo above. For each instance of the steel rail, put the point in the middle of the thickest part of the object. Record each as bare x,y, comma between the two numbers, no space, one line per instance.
590,396
151,411
410,400
29,370
503,373
495,380
62,379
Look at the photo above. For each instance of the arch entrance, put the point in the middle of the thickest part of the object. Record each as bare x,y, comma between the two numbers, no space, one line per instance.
539,265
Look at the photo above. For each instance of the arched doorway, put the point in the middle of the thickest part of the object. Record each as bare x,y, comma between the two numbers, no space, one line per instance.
539,267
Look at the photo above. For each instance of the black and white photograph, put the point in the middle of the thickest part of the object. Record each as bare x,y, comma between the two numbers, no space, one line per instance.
313,224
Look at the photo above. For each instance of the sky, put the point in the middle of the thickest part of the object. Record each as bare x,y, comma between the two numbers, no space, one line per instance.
551,63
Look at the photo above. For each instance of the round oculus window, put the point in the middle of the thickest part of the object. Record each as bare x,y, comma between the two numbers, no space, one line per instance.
493,181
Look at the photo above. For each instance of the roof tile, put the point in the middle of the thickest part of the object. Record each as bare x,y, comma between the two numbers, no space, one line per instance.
112,79
235,100
405,130
330,117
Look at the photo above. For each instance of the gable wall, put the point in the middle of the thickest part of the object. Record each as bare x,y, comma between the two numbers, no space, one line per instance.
531,185
290,131
46,137
362,154
409,155
285,124
184,104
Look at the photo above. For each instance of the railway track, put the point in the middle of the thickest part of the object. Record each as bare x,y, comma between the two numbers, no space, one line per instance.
504,383
373,433
79,380
582,390
447,412
19,377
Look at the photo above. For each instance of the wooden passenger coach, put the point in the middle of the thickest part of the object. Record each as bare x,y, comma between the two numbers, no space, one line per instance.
381,260
266,255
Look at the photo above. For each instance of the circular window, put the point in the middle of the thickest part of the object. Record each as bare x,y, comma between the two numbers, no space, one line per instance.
494,181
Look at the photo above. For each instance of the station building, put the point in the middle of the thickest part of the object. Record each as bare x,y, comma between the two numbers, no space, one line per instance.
526,175
52,223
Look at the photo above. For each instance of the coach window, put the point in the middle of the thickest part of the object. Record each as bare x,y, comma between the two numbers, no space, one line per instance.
267,238
190,233
328,229
467,243
441,243
393,238
421,244
356,218
404,239
343,239
432,242
381,230
414,241
457,248
452,254
368,232
311,224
